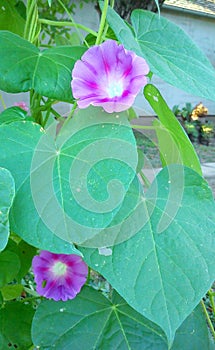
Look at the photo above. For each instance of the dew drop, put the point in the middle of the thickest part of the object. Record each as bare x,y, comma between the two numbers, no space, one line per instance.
105,251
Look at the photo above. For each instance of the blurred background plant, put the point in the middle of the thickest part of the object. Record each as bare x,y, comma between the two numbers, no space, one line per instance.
60,11
193,120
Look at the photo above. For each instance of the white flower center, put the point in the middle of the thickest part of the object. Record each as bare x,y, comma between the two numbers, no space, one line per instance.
59,269
115,88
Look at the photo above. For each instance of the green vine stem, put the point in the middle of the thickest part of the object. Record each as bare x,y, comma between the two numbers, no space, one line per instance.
71,113
145,180
32,26
208,319
211,298
35,107
68,24
2,102
102,23
107,25
71,18
145,127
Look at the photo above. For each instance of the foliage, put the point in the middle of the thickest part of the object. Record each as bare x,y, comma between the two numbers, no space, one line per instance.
191,117
125,8
75,186
53,10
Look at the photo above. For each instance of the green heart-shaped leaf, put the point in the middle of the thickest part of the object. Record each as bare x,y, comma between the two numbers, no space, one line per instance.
166,268
170,53
16,154
105,324
9,266
75,187
7,193
12,291
23,67
11,335
10,19
12,114
174,144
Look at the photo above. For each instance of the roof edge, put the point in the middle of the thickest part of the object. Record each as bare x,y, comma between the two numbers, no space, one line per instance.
189,11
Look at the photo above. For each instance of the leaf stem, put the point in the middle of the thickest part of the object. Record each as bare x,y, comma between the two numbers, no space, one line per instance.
211,298
145,127
66,24
112,3
145,180
46,117
208,319
71,113
102,23
88,276
2,102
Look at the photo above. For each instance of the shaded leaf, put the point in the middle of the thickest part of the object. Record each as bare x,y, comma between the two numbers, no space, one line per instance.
96,150
174,224
174,144
10,19
26,253
7,193
9,267
15,326
170,53
94,320
141,159
12,291
12,114
102,324
24,137
23,67
194,333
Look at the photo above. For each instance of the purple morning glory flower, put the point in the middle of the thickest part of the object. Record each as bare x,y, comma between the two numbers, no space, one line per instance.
110,76
59,276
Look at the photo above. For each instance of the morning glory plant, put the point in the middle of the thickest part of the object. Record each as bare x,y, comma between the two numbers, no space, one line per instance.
93,254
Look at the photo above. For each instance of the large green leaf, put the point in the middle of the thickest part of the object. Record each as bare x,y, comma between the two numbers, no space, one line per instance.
9,267
15,326
174,144
170,53
93,321
7,193
11,291
16,154
194,333
23,67
165,269
10,18
26,253
72,189
12,114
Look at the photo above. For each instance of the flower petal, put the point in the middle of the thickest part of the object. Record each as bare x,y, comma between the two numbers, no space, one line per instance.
108,76
63,284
